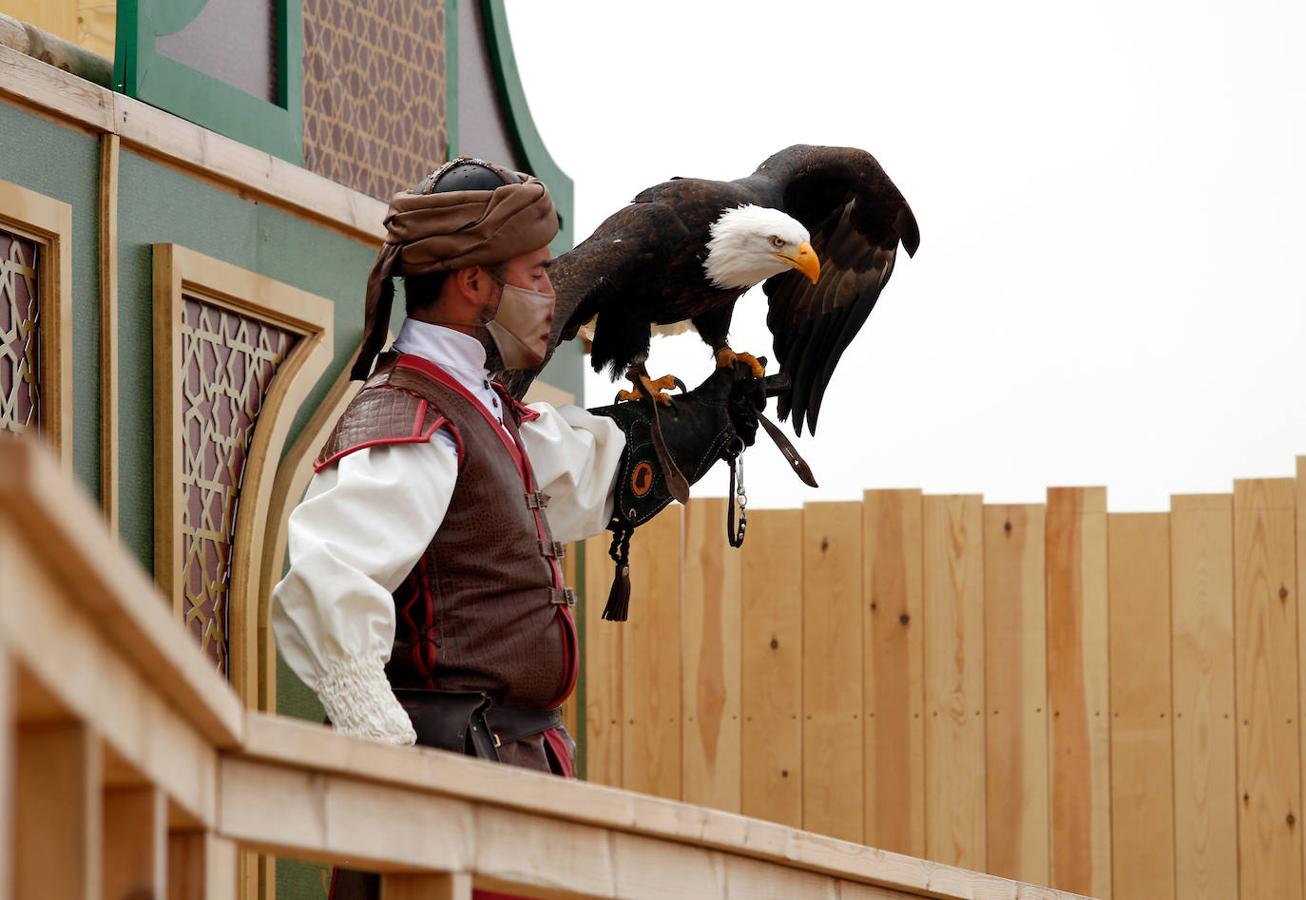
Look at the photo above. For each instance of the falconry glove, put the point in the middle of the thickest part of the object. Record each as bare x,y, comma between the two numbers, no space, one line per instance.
714,421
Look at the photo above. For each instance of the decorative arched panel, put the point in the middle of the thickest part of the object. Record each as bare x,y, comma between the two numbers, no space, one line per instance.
235,353
35,317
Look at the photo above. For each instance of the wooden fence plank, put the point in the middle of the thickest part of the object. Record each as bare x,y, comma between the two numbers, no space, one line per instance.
650,742
1265,629
1300,504
894,669
57,799
1078,690
832,669
1015,690
604,719
135,842
955,820
710,659
1142,790
771,752
1205,772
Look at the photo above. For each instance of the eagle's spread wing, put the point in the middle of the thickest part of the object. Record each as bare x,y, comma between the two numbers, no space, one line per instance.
856,217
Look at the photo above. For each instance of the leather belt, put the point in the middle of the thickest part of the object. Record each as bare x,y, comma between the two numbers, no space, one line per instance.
469,722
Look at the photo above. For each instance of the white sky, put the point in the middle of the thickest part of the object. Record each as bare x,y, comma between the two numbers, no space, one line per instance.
1112,203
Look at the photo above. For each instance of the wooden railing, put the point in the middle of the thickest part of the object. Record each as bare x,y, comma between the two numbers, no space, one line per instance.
132,770
1109,703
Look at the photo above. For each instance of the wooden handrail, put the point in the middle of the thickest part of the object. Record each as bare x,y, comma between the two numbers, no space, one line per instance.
112,696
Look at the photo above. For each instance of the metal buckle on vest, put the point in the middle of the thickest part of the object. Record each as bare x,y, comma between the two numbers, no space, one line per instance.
564,597
536,500
553,549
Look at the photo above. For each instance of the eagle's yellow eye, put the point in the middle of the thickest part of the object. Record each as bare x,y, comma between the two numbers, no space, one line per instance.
776,241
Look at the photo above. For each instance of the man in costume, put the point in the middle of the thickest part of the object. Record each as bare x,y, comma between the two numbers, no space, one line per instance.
425,600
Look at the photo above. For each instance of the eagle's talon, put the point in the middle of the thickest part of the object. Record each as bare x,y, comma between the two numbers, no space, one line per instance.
725,357
652,387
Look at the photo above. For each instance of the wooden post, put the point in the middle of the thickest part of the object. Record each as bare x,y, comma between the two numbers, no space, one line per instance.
58,770
438,886
200,867
135,842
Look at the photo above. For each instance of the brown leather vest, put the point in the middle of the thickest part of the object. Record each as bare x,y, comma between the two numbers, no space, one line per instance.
485,608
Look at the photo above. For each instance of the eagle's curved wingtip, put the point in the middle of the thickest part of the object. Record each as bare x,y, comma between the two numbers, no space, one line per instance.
908,232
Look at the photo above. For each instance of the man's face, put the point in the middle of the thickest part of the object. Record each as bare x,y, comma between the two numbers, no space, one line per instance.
526,271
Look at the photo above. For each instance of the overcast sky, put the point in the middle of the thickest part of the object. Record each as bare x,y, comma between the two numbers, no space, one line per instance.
1112,203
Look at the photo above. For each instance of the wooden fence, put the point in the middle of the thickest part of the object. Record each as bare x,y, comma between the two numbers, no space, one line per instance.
1110,703
129,769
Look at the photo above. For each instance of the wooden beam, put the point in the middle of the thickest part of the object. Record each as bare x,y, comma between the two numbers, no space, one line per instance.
135,842
108,237
200,867
67,653
61,532
58,819
207,154
305,791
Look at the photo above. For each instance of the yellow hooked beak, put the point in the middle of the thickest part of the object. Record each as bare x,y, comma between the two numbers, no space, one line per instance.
804,261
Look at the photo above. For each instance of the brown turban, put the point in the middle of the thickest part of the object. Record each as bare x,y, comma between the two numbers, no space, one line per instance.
438,232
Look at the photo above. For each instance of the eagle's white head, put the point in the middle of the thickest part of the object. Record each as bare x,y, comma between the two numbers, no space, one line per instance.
751,243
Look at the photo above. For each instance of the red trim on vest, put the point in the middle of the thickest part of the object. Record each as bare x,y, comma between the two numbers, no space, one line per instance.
418,436
559,747
524,413
430,369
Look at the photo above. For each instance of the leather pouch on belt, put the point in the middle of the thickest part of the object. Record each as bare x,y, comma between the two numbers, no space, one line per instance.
450,720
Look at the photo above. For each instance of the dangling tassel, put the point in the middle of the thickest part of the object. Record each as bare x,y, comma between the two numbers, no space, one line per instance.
618,607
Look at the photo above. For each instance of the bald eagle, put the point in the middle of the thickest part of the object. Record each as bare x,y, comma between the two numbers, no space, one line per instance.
819,227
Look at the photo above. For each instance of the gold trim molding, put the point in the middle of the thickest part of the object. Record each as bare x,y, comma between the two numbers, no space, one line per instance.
181,273
49,222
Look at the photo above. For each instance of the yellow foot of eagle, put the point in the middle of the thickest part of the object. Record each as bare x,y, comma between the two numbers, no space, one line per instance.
725,357
654,387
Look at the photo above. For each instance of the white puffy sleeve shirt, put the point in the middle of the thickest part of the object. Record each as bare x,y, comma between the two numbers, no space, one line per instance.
361,528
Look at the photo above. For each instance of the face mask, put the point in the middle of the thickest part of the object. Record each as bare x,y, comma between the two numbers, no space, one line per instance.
520,329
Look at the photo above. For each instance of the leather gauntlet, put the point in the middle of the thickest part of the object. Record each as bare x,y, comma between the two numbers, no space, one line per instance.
714,421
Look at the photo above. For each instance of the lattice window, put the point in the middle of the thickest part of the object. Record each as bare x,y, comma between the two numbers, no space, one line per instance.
20,308
229,361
